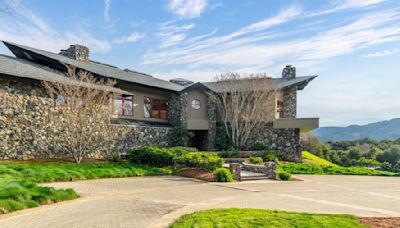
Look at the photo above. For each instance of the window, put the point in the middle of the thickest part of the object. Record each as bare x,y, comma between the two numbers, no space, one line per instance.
68,102
279,109
196,104
155,108
123,106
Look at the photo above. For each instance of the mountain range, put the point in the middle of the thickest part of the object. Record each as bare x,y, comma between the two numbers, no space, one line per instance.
389,129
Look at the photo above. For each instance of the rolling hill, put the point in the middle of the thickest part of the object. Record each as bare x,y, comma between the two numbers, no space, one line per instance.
380,130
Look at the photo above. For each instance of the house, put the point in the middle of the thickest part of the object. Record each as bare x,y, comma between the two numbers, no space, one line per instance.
151,107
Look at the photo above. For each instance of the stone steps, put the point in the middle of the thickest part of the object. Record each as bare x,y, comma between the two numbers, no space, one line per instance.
246,178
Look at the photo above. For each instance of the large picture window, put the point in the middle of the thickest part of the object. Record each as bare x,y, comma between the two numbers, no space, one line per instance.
155,108
123,106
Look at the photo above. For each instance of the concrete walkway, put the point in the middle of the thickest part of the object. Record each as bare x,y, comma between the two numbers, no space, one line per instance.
158,201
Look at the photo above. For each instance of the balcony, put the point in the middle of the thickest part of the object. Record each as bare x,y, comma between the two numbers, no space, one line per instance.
304,124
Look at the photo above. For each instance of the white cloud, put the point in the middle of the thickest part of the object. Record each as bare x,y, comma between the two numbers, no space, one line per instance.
30,29
107,6
171,34
239,51
187,8
345,5
133,37
382,53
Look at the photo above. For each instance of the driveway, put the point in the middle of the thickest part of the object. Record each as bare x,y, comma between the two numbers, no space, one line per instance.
157,201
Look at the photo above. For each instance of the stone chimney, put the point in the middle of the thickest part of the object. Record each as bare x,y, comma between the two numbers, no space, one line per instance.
289,72
77,52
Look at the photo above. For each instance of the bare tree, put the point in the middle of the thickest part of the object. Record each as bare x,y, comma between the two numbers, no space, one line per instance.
82,117
243,103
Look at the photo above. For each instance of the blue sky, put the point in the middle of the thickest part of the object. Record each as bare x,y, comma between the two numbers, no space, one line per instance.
353,45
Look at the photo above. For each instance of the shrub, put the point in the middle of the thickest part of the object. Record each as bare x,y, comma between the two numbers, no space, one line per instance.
269,156
115,157
223,175
259,147
188,149
231,153
180,135
386,166
203,160
284,176
256,160
152,155
222,140
158,156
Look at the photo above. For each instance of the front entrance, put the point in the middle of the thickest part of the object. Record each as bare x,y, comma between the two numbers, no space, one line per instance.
198,140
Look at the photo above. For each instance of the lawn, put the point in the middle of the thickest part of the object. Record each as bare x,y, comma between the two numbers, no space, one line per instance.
310,158
263,218
19,189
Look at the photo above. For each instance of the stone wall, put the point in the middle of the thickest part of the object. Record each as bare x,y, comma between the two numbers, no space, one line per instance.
212,118
285,141
177,109
25,131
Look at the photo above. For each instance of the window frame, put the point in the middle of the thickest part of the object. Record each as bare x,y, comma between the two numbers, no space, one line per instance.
123,99
193,104
155,108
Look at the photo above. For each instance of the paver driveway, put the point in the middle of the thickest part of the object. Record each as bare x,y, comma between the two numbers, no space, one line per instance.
157,201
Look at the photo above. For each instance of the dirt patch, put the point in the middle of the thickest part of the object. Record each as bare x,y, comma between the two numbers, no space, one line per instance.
200,174
381,222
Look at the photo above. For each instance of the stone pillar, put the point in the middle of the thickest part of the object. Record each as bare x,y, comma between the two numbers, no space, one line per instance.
212,118
270,170
289,94
177,109
290,102
235,170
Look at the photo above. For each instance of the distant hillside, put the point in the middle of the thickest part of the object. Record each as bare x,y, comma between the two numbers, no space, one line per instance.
378,131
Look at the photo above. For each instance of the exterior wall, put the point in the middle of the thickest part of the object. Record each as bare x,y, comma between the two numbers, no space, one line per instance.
177,109
285,141
138,101
197,119
290,102
23,102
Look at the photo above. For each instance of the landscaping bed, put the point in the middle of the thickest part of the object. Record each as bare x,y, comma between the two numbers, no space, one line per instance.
200,174
263,218
19,189
381,222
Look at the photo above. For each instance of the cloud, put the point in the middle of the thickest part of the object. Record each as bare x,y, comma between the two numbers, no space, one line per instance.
133,37
251,48
187,8
23,26
107,6
171,34
382,53
345,5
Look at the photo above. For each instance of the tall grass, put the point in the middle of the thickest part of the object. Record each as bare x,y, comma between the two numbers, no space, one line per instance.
19,189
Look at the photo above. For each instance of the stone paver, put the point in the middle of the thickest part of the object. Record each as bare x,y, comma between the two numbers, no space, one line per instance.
158,201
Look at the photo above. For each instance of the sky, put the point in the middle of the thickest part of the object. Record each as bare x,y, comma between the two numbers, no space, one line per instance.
353,45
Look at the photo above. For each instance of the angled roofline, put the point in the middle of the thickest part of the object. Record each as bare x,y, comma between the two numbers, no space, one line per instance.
13,67
97,68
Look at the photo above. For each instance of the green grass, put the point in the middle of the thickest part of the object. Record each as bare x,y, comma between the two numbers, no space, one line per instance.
301,168
313,159
263,218
19,189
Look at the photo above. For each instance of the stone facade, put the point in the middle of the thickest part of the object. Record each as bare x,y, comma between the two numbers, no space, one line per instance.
26,104
177,109
212,118
77,52
284,141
